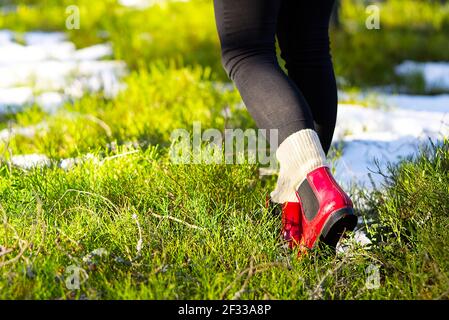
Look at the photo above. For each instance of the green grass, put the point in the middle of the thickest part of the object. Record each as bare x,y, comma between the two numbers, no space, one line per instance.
155,103
171,231
412,221
409,30
62,216
52,219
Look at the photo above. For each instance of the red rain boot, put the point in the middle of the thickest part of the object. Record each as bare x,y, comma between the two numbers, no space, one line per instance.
291,220
291,223
326,210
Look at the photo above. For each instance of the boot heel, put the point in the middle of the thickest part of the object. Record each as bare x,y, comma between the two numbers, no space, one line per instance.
338,223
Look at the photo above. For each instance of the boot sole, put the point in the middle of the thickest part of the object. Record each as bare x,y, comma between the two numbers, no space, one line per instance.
337,224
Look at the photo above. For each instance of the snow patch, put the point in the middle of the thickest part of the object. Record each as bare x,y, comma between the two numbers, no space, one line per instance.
359,238
435,74
438,104
40,37
12,99
373,138
50,101
28,132
51,65
5,36
95,52
29,161
144,4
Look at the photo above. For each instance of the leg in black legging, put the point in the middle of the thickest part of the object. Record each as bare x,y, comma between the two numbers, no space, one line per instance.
303,35
247,31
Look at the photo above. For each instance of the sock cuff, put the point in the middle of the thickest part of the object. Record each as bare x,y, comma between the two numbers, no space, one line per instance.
298,155
292,197
301,150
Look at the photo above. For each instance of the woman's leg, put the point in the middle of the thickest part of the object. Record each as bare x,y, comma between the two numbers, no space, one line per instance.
326,210
247,31
303,35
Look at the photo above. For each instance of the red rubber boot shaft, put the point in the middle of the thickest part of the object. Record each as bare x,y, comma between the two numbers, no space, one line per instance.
291,223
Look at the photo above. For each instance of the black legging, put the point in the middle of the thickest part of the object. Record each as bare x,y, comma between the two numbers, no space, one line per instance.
307,97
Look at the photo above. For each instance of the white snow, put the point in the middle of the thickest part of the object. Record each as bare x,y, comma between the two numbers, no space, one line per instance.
143,4
69,163
137,4
359,238
12,99
40,38
435,74
29,161
386,135
439,103
49,70
6,134
50,101
94,52
5,36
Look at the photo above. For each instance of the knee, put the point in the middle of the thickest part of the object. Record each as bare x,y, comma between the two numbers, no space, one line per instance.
235,59
308,53
226,62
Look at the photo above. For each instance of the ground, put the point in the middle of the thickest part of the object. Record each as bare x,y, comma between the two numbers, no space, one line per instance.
93,207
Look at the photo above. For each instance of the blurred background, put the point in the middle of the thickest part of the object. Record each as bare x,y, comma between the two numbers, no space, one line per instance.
63,62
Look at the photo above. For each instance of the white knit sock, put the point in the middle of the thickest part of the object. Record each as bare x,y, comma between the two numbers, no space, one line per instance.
291,198
298,155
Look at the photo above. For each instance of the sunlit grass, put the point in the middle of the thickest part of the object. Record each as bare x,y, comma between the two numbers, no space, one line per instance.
195,231
171,231
154,103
